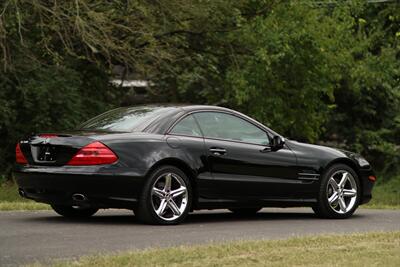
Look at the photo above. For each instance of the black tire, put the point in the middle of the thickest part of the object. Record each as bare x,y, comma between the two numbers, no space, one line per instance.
145,211
323,209
245,211
71,212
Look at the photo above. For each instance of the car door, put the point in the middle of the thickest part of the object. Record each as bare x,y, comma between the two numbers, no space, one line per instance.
241,161
187,139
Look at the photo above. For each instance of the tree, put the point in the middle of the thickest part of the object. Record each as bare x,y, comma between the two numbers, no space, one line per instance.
366,116
313,72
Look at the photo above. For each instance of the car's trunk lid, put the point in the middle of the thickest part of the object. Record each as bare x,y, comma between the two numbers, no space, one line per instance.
55,149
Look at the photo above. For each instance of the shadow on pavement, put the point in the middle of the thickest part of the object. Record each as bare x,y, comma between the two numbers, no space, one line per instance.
193,218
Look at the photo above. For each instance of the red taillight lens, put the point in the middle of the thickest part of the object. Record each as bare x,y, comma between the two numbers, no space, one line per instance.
48,135
19,156
93,154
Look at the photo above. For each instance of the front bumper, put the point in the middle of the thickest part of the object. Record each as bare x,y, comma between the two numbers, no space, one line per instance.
366,185
103,187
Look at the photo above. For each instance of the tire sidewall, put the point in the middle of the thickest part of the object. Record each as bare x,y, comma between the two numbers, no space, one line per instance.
146,211
324,205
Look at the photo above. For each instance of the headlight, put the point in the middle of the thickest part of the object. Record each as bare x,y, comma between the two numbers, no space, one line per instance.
362,162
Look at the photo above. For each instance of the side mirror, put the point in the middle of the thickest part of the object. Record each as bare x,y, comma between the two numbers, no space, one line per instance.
277,142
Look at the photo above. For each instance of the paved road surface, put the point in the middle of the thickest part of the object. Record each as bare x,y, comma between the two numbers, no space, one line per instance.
43,236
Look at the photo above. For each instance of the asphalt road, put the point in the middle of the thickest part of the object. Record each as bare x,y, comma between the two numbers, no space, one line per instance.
26,237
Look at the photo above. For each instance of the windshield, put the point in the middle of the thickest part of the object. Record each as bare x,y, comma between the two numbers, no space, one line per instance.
125,119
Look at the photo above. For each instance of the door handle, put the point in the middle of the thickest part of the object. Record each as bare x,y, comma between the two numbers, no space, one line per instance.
266,149
218,151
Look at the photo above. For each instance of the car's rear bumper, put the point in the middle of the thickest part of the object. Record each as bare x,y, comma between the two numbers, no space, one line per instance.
102,187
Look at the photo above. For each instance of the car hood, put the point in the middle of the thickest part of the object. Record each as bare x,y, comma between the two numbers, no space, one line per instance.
318,151
326,149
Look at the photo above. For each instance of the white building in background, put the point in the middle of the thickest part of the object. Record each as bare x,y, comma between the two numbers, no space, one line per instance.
131,83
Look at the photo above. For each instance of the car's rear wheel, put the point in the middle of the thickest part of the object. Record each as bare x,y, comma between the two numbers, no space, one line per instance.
166,197
339,194
74,211
245,211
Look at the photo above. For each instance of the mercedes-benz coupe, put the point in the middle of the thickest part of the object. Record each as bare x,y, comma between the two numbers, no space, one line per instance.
163,161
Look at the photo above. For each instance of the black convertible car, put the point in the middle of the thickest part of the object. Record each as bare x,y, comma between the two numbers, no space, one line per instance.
163,161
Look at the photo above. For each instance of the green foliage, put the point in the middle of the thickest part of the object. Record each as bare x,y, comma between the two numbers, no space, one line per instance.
288,74
313,72
50,98
367,110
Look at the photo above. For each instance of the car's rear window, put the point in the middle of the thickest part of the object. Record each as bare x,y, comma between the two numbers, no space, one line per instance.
125,119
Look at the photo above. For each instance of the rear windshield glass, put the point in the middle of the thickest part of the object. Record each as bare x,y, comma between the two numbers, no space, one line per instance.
125,119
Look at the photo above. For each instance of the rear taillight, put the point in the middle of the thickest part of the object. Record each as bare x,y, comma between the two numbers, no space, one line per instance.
93,154
19,156
48,135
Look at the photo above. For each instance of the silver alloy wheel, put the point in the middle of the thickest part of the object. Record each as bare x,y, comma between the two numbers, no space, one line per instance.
341,191
169,196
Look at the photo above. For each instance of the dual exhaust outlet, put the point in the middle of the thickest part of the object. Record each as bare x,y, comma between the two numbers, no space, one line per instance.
21,192
79,198
75,197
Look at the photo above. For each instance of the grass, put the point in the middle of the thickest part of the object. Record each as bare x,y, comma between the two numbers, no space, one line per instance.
26,205
371,249
10,199
385,196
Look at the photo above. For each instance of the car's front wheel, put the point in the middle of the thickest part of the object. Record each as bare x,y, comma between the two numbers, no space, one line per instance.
74,211
166,197
339,193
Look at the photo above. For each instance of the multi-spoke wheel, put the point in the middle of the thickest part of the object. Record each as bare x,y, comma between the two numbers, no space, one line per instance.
166,197
339,193
169,196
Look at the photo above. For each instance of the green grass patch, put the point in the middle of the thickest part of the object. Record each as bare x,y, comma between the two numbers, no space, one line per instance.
11,200
386,194
9,192
371,249
26,205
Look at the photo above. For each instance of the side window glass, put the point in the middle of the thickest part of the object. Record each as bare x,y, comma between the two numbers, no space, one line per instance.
187,126
229,127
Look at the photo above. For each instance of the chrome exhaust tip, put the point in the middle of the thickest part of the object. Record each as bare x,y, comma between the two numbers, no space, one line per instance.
21,192
79,197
